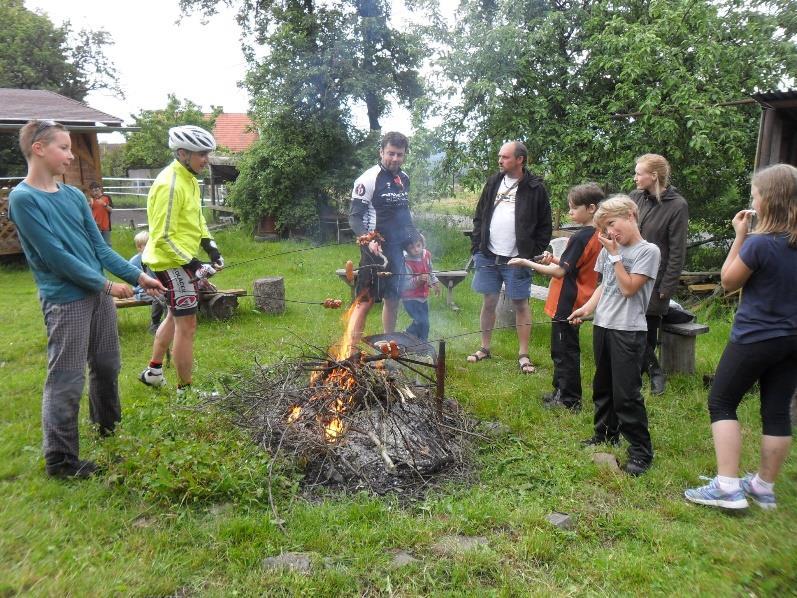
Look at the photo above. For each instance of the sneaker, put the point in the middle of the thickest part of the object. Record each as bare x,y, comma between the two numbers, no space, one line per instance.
70,467
636,467
558,403
765,500
550,397
713,496
596,440
150,379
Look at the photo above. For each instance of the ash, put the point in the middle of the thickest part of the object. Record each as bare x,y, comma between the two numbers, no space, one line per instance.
369,423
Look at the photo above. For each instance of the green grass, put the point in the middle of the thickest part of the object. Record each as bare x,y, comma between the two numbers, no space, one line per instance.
182,507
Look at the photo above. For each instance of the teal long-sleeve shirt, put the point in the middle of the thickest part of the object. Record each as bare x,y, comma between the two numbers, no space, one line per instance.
63,245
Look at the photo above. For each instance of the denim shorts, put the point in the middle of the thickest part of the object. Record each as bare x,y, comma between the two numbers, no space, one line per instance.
489,276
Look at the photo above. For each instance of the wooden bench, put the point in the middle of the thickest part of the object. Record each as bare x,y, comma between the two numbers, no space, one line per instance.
216,306
678,343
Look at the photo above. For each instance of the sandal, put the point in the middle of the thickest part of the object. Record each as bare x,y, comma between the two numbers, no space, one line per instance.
476,358
527,367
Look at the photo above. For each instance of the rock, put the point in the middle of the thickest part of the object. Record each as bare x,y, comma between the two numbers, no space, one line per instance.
560,520
495,429
291,561
450,545
144,522
401,558
606,460
220,508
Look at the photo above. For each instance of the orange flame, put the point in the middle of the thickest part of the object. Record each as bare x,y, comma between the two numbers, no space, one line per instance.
333,430
294,414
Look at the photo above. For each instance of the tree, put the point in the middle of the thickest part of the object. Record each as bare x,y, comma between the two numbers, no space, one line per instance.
148,147
35,54
336,51
589,85
309,63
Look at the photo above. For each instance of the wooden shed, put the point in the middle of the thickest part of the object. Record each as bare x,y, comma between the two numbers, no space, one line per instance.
777,133
18,106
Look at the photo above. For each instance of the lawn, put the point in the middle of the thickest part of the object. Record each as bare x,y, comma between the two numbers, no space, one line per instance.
182,507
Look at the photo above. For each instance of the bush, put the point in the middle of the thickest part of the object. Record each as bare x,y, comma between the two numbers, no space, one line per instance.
292,170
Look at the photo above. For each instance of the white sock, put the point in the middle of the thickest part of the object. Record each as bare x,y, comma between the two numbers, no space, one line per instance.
761,486
156,371
727,484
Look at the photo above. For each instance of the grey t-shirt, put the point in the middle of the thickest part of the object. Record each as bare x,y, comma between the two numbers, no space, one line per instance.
626,313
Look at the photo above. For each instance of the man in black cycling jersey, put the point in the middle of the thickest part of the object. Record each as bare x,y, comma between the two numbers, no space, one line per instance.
380,203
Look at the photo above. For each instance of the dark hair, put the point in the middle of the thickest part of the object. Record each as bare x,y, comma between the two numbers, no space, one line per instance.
413,236
521,151
395,139
95,185
586,194
37,130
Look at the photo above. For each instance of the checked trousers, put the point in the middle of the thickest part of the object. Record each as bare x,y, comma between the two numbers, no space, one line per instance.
79,333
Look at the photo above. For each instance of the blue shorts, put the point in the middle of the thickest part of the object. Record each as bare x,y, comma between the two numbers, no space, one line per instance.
489,277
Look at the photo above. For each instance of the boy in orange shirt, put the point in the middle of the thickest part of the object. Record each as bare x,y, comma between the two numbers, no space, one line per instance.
101,208
574,281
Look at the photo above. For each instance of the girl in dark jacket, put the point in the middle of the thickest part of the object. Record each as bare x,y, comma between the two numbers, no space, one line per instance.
663,221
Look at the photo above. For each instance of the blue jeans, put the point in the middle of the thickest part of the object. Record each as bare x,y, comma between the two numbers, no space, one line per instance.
419,312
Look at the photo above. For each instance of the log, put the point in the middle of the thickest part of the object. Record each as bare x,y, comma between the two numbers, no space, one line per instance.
678,346
269,294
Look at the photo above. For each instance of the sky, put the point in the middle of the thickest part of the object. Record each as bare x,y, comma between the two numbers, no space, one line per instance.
152,58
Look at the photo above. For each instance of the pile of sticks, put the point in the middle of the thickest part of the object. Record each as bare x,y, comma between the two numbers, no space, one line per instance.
364,423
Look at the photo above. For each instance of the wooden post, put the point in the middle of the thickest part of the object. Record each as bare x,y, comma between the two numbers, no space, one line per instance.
269,294
440,378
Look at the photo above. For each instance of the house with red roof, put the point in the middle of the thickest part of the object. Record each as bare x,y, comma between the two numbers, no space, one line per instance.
234,131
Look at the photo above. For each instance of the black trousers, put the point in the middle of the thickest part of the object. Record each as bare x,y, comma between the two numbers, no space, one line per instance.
616,389
651,344
566,357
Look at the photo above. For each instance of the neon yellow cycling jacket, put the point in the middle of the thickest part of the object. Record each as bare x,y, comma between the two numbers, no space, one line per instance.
176,222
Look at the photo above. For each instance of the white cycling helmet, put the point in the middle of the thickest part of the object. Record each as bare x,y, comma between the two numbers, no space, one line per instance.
191,138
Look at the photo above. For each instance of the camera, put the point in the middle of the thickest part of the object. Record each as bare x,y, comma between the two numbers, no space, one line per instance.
753,220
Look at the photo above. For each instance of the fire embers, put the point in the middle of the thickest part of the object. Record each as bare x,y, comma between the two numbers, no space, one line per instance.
366,422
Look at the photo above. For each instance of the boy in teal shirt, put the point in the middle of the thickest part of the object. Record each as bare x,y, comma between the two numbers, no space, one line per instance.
67,254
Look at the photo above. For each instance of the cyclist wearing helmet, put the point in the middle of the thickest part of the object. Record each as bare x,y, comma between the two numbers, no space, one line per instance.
177,230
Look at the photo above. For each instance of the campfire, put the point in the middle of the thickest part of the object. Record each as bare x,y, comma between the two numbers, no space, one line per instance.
371,416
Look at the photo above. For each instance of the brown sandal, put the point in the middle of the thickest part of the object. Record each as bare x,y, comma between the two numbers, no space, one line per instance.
476,358
528,367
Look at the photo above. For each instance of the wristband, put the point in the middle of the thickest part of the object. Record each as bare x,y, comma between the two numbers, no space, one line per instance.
615,258
108,286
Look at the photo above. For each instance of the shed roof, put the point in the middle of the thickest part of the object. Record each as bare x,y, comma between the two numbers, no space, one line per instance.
777,99
234,131
22,105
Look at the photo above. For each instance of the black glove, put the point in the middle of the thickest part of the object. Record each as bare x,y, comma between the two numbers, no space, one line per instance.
210,247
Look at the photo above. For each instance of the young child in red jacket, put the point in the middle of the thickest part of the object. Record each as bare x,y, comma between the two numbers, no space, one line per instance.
418,263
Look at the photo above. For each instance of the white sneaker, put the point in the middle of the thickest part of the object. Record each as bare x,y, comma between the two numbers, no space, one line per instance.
150,379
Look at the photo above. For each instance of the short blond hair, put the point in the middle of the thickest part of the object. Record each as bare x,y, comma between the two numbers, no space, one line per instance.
37,130
617,206
141,238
